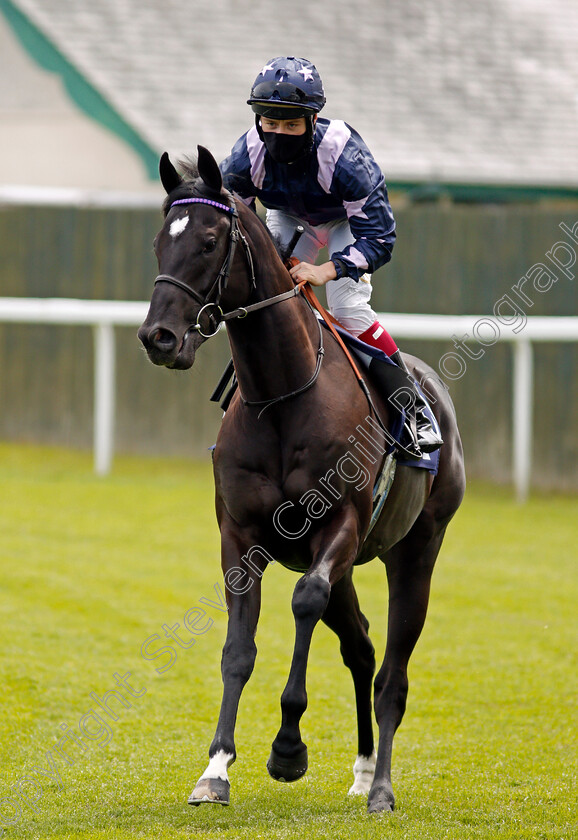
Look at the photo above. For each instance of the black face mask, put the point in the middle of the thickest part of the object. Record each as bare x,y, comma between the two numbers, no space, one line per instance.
286,148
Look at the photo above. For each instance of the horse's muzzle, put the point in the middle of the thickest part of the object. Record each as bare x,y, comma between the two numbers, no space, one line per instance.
163,347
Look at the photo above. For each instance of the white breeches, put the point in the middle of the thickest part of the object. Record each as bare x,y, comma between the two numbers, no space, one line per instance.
347,299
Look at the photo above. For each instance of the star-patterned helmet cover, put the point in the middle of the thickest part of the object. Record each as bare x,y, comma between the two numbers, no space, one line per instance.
287,87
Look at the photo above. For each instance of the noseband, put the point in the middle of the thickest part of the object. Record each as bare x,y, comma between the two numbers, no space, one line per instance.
213,296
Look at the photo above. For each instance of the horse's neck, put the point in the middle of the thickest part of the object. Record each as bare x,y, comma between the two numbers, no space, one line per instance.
275,348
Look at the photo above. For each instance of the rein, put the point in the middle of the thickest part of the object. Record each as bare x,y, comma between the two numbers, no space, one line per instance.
220,284
263,404
331,321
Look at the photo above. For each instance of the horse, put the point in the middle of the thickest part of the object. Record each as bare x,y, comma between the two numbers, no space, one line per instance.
294,467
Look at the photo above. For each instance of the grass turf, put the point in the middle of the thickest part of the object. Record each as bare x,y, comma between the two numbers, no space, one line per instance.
91,570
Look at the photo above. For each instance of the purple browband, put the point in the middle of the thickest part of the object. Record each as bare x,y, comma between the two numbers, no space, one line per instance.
216,204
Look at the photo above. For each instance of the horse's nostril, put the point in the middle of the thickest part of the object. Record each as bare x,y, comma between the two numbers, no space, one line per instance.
162,339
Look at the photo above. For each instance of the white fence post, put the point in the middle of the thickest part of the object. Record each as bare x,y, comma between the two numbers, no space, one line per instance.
522,412
104,397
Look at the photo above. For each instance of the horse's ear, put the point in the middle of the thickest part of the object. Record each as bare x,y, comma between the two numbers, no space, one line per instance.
209,169
170,178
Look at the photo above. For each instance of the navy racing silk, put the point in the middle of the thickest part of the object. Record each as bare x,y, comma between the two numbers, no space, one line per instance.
338,180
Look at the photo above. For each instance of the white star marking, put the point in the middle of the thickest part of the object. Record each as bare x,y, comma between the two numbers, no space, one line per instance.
265,68
178,226
306,73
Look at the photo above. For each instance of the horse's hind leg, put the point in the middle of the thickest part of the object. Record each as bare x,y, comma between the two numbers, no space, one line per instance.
345,618
409,568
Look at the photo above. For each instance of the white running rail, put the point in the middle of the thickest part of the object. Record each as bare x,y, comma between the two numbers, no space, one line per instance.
105,315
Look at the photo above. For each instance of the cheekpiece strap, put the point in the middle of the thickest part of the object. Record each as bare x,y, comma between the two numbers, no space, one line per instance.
225,207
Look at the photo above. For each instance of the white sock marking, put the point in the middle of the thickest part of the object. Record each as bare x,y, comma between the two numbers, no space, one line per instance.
363,772
218,765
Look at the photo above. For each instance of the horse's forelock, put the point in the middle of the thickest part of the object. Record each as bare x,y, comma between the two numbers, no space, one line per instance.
189,168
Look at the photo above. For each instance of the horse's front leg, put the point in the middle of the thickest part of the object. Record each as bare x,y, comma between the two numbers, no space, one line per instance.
243,593
332,556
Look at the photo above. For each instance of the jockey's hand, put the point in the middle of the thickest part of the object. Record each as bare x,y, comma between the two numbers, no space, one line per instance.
317,275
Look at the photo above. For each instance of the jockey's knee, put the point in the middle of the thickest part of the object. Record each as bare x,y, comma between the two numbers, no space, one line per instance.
355,319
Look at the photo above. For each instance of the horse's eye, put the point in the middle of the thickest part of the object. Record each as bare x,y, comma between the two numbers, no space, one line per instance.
209,246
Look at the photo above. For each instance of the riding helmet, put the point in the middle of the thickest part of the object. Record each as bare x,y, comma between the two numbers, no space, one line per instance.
287,87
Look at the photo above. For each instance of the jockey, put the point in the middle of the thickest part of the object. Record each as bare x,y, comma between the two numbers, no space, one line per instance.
319,174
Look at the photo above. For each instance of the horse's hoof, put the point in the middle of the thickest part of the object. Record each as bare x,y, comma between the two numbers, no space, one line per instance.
215,791
381,800
287,769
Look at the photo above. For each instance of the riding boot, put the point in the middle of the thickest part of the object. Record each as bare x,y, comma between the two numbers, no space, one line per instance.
427,437
392,384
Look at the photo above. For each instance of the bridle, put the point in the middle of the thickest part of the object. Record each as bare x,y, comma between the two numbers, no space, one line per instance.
213,296
222,278
219,286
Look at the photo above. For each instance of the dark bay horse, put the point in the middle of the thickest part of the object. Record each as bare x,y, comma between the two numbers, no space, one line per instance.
295,464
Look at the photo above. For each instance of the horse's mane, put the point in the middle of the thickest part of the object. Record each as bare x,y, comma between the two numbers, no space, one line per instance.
280,247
